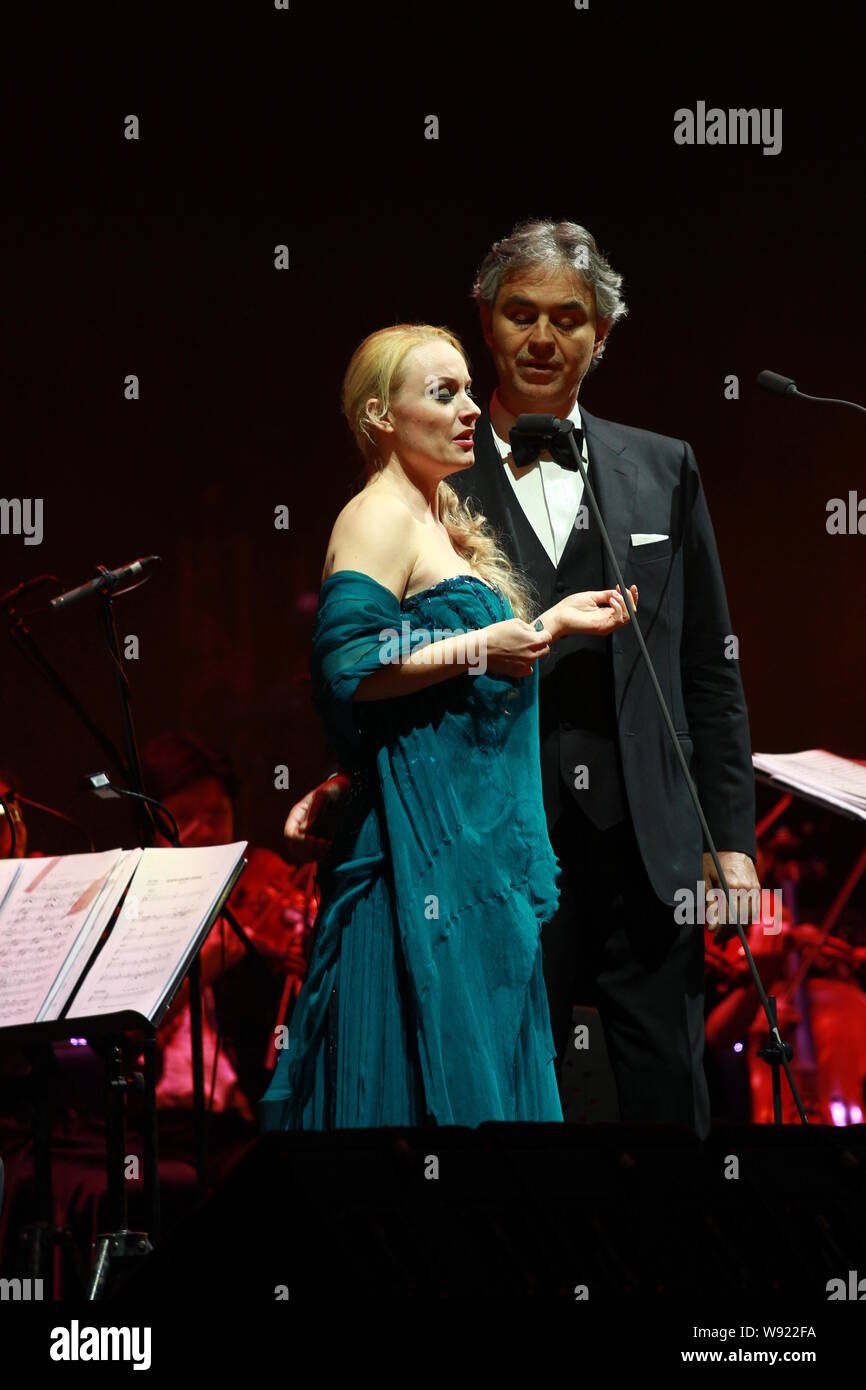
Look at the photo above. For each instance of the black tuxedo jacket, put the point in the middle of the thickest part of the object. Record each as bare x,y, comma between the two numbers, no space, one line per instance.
647,483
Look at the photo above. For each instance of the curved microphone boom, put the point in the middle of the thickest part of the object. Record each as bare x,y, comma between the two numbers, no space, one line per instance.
785,386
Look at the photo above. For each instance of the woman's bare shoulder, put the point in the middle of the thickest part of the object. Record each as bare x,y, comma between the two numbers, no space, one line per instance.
372,533
372,502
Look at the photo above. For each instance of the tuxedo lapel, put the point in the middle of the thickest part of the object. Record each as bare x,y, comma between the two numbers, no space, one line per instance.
613,477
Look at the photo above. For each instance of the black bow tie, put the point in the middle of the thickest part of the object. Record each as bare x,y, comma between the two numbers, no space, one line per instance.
526,451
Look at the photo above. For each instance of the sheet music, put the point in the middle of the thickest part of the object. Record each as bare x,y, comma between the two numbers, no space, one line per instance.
51,902
82,951
838,781
172,893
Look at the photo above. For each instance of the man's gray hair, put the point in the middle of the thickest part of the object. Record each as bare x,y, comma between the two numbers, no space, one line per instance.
537,244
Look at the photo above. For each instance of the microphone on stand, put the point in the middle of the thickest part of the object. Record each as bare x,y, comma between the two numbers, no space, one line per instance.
531,434
785,386
544,427
109,581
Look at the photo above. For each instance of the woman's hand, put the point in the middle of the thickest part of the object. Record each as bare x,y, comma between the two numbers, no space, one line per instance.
597,610
314,812
513,646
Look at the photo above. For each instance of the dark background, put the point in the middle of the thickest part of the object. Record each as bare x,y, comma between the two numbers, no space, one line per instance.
261,127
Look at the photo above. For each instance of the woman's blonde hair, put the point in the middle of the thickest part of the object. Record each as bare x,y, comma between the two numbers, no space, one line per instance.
377,370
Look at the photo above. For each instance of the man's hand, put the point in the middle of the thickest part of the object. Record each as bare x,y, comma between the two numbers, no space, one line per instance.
314,811
740,873
597,610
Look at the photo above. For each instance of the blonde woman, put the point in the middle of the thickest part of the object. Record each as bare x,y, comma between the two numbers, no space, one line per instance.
425,1001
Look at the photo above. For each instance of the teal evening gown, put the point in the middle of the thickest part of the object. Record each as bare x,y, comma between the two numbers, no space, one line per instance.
424,1000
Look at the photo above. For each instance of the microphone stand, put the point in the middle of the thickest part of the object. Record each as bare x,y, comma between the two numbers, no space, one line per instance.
134,776
777,1053
23,639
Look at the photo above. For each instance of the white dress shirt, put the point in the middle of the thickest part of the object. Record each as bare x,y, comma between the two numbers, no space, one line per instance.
549,494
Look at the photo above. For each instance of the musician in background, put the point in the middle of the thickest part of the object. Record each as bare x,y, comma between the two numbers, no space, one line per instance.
273,903
10,811
817,978
732,1008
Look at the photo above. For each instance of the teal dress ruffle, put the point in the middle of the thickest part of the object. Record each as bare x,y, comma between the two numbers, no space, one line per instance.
424,1001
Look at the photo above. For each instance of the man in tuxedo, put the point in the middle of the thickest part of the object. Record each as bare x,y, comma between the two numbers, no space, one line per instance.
619,813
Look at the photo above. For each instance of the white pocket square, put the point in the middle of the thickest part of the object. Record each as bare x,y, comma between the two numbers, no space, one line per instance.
646,537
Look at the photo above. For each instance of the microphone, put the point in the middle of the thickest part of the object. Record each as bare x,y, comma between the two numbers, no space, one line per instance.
538,427
779,385
784,386
108,581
